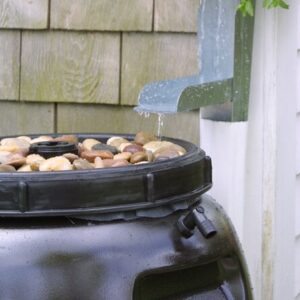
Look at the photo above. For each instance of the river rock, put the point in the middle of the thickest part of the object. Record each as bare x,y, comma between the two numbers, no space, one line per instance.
4,156
7,168
26,138
70,156
17,144
57,163
123,145
25,168
89,143
82,164
116,141
138,157
70,138
123,155
101,146
133,148
143,138
110,163
16,160
91,155
165,153
34,161
155,145
42,138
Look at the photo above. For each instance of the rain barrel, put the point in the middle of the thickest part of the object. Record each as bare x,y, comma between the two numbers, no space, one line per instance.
137,232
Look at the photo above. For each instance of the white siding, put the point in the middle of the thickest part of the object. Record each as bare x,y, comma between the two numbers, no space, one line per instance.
297,210
298,144
297,269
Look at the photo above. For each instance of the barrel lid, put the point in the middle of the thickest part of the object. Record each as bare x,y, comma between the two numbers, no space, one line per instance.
109,190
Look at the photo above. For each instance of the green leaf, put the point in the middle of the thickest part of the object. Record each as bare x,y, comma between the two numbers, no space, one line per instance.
283,4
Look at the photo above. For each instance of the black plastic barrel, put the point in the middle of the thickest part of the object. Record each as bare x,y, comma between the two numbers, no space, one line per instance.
120,233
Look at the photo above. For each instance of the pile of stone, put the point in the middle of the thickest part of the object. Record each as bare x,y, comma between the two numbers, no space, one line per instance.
116,152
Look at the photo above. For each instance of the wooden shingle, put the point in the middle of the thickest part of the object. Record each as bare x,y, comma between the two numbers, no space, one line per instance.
70,67
116,15
152,57
25,118
176,15
29,14
9,64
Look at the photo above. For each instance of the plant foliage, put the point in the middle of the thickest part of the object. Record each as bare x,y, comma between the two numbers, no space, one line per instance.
247,6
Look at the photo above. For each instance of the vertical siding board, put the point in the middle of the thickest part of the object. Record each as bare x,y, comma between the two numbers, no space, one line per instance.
9,64
298,145
297,208
297,267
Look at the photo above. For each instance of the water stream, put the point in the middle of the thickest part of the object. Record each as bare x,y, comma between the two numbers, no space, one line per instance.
160,121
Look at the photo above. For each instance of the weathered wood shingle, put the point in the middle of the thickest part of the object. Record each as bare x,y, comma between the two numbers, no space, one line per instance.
176,15
120,15
26,118
151,57
30,14
70,67
9,64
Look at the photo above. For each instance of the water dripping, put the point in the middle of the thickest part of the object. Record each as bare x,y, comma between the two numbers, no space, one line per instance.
160,124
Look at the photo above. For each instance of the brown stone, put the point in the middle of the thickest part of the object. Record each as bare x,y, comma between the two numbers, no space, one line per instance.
71,156
82,164
58,163
72,139
133,148
16,160
25,168
165,153
7,168
116,141
91,155
123,155
138,157
89,143
34,160
110,163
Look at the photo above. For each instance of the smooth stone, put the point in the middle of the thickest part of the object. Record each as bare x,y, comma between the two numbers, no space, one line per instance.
26,138
82,164
42,138
7,168
34,160
16,160
89,143
15,142
138,157
70,138
155,145
166,152
101,146
123,145
116,141
25,168
133,148
110,163
71,156
4,156
123,155
91,155
57,163
143,138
